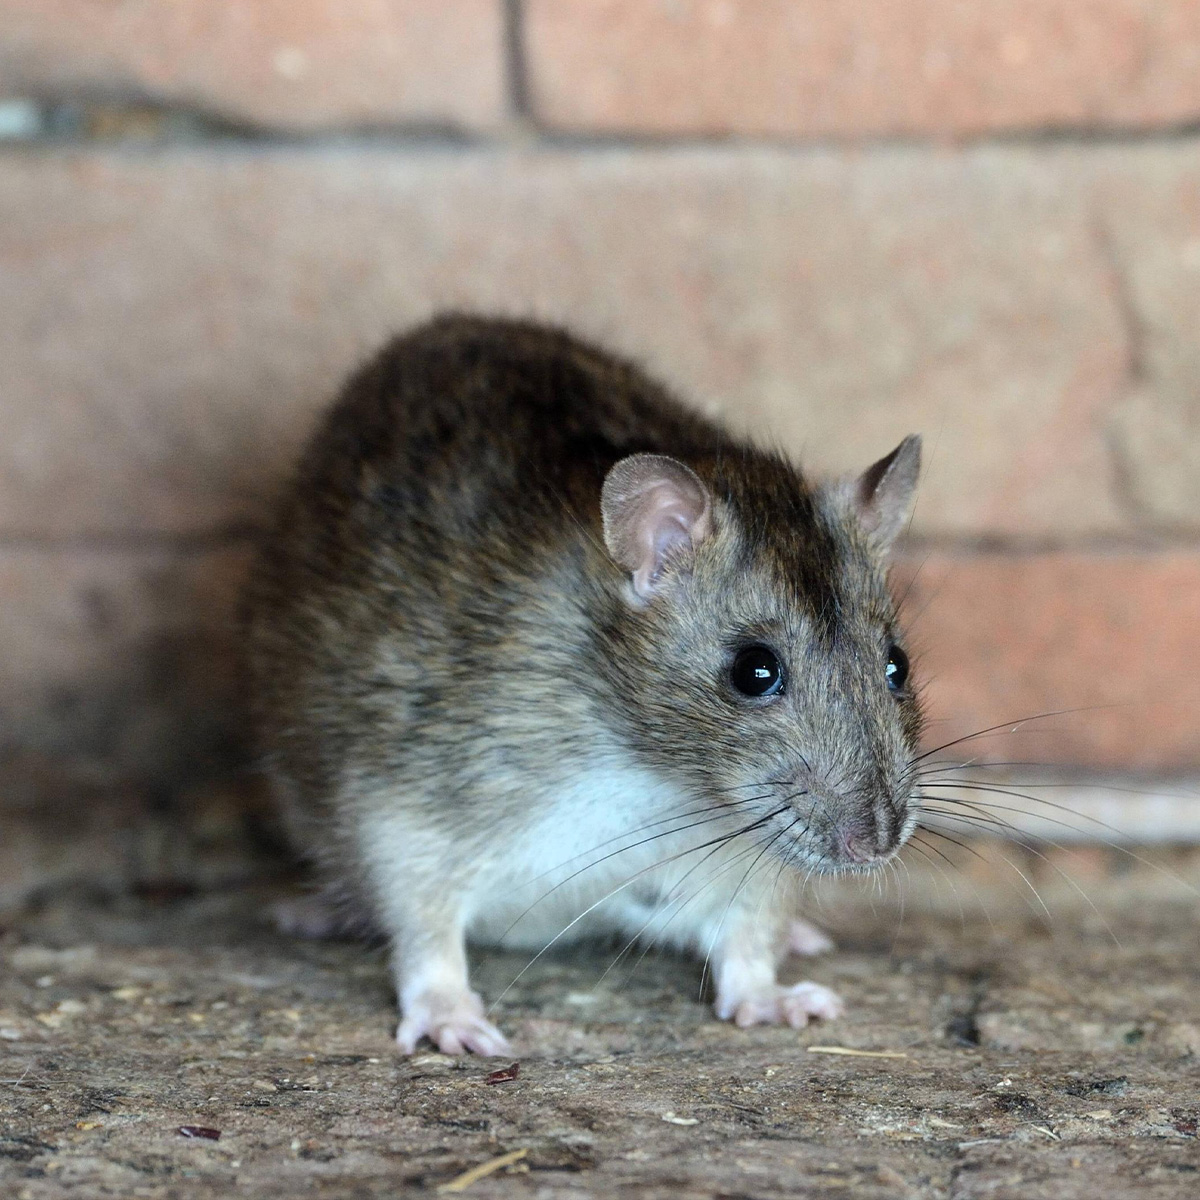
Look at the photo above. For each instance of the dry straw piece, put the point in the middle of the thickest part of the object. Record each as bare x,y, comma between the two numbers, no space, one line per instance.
460,1183
857,1053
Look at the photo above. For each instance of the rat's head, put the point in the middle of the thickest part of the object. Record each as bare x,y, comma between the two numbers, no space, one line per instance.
757,647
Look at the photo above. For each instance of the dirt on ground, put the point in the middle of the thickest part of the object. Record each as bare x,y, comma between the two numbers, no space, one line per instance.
178,1047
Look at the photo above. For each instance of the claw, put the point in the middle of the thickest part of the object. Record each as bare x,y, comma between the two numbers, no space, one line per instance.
779,1005
454,1024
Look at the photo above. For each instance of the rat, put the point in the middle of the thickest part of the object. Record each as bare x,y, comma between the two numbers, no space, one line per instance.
537,653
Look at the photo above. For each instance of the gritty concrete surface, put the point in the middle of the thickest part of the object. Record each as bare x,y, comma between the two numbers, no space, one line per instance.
1031,1058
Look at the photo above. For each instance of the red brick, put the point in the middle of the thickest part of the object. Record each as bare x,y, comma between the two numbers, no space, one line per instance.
1152,217
169,322
295,64
1001,639
811,68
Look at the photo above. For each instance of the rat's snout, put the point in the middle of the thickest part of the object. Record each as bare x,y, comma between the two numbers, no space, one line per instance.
853,824
866,840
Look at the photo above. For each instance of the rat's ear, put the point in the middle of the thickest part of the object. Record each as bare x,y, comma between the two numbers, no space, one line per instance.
883,495
652,507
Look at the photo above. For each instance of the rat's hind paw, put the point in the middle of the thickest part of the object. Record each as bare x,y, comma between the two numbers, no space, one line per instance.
804,938
779,1005
452,1023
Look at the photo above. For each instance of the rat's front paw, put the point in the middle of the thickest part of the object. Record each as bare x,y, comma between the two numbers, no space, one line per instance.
452,1023
775,1004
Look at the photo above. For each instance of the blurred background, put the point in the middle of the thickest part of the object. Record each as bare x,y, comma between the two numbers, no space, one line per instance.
828,222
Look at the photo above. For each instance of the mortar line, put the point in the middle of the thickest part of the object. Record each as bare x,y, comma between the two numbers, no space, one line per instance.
212,129
516,65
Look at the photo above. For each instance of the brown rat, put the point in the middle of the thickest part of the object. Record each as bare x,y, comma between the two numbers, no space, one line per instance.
538,654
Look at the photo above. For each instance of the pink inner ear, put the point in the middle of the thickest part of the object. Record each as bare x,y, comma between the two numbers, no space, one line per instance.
665,526
653,506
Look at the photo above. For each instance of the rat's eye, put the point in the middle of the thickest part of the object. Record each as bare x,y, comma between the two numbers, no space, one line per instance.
756,672
897,668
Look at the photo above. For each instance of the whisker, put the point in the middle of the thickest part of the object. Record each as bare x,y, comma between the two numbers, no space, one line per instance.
706,808
1055,867
962,915
671,901
974,890
623,850
768,897
696,893
896,864
1041,816
621,887
683,902
729,904
1085,784
1013,726
1013,865
912,583
919,847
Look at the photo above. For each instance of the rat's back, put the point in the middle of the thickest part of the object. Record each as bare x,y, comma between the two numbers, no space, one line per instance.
457,469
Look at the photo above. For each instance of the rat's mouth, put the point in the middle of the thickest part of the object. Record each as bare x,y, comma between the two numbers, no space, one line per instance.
861,852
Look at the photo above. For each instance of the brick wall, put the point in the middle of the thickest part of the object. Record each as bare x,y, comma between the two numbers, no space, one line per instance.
831,223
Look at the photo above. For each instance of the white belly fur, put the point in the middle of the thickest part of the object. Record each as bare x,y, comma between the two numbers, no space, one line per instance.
604,861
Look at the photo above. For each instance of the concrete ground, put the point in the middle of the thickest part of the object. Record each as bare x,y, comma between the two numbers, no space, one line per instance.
1010,1055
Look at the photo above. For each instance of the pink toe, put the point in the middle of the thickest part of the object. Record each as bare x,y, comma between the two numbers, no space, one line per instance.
797,1015
819,1001
448,1041
491,1046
